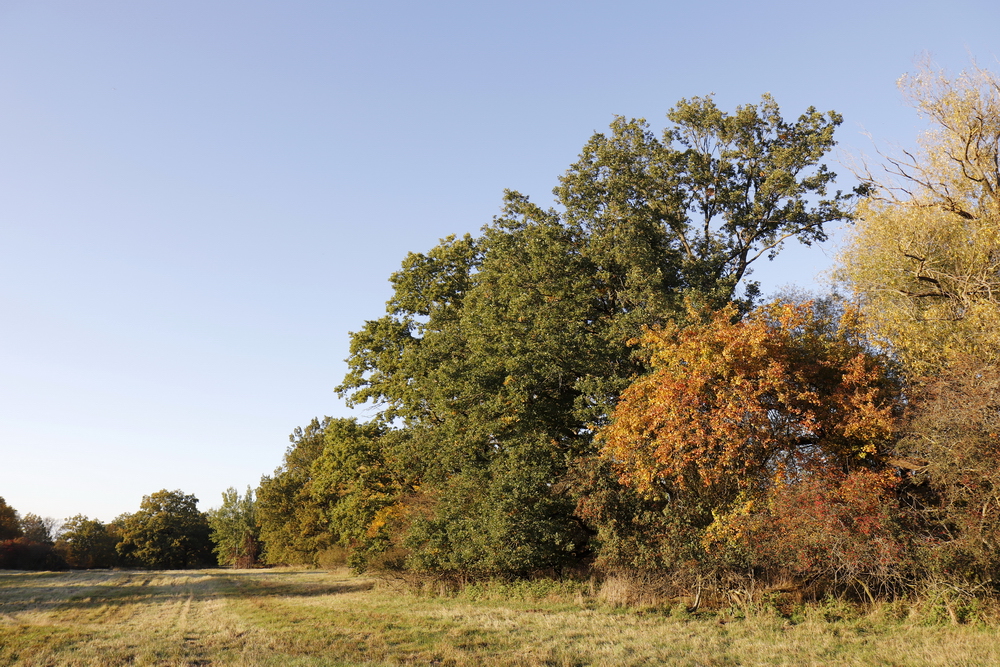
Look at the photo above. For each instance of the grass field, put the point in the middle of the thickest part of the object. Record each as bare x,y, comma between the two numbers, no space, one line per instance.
308,617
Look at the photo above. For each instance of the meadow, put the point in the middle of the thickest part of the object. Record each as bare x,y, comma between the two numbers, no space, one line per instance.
313,617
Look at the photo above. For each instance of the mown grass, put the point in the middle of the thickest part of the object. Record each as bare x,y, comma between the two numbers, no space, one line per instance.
288,617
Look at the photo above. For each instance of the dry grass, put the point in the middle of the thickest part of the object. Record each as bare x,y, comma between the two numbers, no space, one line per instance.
287,617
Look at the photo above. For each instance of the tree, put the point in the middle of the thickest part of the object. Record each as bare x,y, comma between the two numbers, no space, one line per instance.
292,524
235,532
87,543
360,490
954,496
336,493
10,521
741,416
21,553
924,260
26,543
719,190
168,532
38,529
924,256
499,354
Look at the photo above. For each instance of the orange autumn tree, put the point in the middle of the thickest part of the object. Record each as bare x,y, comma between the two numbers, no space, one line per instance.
770,434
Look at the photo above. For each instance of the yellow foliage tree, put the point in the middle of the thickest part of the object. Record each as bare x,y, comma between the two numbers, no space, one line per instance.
924,255
741,421
732,406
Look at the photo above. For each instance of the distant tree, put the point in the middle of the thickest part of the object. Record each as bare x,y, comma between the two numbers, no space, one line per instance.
10,521
235,532
87,543
168,532
21,553
26,543
38,529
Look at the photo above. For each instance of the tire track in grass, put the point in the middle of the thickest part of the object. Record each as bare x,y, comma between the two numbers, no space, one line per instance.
180,623
203,627
189,641
115,598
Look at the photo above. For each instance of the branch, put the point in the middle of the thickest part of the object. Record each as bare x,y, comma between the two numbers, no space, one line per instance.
907,464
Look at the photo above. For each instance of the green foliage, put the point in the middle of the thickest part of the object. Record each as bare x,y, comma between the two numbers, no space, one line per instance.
335,489
168,532
37,529
10,522
498,355
235,532
359,484
501,520
292,525
88,543
636,532
716,193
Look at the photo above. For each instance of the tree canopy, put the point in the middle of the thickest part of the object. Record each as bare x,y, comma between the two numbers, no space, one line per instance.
596,383
88,543
499,354
235,532
730,404
924,254
168,532
38,529
741,418
924,262
10,521
292,524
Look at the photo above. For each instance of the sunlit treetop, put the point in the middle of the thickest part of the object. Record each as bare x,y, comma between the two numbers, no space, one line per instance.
737,405
924,255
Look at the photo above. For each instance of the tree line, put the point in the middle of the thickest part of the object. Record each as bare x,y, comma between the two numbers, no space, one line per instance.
599,385
167,532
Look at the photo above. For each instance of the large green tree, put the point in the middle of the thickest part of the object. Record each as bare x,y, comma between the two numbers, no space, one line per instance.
168,532
361,488
335,491
499,354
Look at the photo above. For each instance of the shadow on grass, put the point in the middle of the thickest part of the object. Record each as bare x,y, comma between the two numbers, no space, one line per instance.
94,588
264,583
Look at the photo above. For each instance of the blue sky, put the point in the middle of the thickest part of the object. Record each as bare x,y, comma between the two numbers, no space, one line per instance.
199,200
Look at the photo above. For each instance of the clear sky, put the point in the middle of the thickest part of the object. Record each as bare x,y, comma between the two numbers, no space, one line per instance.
199,200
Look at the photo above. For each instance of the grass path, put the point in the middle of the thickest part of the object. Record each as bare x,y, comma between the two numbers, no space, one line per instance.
289,618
